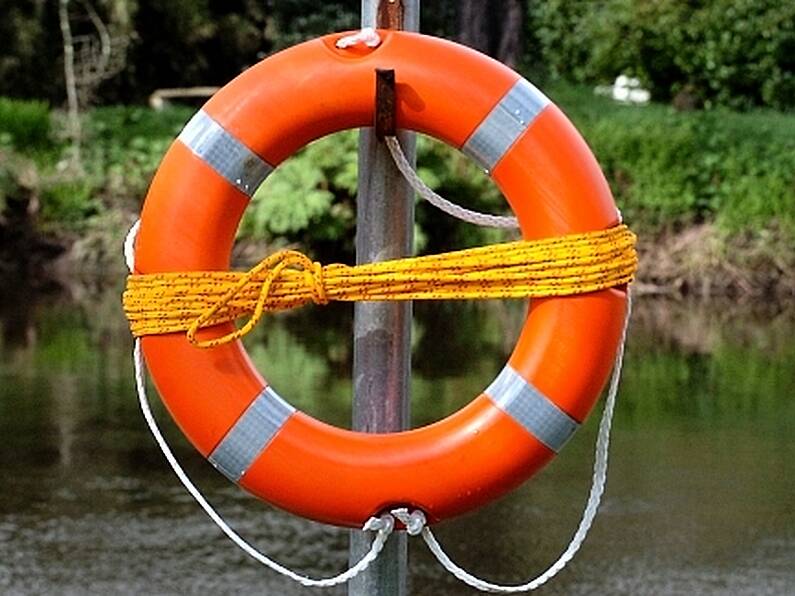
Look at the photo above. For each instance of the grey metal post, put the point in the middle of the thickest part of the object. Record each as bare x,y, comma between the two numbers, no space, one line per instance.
382,341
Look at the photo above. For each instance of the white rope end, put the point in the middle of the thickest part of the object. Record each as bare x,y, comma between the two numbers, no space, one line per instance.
384,523
367,36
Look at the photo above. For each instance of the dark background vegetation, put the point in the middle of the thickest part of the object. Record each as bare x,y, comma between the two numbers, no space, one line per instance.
737,53
706,172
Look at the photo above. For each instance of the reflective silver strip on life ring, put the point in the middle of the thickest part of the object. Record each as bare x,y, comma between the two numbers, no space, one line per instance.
500,129
532,409
250,435
224,153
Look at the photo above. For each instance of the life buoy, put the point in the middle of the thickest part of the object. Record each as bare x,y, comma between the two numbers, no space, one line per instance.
566,347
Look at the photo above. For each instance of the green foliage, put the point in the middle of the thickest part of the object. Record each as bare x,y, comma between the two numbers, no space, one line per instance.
669,168
735,53
69,204
18,180
565,36
24,125
121,150
175,43
124,125
310,197
295,199
298,20
126,144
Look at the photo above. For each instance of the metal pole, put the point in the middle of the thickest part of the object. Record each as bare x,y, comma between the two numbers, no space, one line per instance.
382,341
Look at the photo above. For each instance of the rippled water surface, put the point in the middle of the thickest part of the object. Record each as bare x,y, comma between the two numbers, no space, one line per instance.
700,496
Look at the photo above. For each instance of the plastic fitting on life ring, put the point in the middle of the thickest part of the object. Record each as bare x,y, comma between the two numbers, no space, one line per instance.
566,347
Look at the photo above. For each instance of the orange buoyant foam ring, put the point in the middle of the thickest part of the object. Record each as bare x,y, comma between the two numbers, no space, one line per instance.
567,344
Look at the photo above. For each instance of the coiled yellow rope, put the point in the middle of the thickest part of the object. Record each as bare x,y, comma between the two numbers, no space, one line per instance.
187,301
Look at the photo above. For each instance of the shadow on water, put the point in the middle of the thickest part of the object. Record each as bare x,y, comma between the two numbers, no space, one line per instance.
699,500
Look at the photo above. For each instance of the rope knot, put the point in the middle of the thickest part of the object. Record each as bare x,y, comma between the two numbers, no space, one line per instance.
273,267
414,521
314,281
384,523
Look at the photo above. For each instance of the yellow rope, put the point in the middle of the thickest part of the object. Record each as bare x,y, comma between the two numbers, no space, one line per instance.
187,301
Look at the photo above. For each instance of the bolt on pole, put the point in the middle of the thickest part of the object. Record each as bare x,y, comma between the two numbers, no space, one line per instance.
382,340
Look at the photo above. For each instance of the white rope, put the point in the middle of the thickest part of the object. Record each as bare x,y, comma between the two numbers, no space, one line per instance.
383,525
129,245
595,496
438,201
368,36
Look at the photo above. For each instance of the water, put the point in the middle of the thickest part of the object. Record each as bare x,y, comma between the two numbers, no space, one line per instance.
700,496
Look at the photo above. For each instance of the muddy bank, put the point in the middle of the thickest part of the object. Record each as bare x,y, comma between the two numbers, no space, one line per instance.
705,262
27,253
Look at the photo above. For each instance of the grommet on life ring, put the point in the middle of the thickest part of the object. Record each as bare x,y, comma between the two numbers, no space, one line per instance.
552,183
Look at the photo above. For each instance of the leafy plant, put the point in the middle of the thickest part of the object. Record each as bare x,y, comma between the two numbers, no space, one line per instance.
308,198
668,169
69,204
735,53
24,124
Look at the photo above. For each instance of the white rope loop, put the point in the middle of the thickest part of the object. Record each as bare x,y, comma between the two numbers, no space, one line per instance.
591,508
438,201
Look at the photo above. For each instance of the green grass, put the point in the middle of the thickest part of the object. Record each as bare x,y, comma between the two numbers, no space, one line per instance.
670,169
24,125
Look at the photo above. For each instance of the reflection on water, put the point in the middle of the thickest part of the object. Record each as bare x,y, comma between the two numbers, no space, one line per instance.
699,498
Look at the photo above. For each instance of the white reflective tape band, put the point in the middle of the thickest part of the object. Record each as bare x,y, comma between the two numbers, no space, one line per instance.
209,141
500,129
251,434
532,409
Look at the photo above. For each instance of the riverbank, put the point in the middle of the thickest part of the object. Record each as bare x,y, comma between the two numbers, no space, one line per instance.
705,261
711,194
696,262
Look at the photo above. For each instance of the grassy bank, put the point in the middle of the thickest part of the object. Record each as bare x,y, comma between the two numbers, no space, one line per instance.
711,193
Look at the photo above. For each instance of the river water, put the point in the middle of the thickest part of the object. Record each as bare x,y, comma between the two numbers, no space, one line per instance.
700,496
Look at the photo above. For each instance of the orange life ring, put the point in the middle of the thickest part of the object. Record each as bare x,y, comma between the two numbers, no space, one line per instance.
566,347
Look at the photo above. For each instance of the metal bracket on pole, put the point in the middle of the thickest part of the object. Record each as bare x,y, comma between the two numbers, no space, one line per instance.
385,103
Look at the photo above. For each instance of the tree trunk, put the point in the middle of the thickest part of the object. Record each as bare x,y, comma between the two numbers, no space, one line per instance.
75,133
510,38
473,24
494,27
